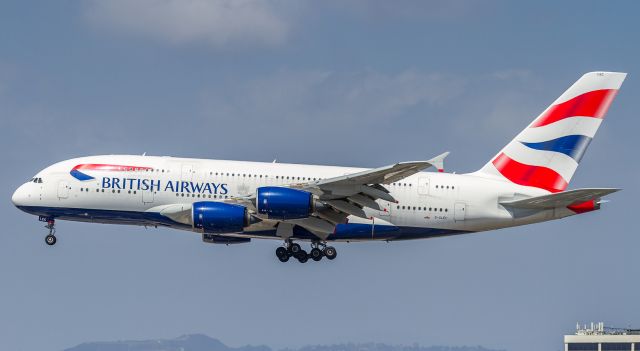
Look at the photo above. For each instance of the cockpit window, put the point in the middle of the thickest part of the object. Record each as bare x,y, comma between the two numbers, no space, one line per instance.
36,180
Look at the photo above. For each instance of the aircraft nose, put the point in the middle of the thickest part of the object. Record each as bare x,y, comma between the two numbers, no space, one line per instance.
20,196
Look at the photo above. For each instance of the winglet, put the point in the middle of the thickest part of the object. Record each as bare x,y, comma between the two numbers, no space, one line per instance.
438,161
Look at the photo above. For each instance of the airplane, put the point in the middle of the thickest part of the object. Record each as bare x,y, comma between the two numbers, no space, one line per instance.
233,202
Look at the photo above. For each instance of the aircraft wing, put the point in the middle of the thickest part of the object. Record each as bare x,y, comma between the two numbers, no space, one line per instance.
562,199
350,194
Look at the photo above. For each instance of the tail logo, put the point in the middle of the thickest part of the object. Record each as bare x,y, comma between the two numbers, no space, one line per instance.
546,154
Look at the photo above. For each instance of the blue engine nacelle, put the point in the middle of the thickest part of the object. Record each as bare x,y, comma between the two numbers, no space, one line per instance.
284,203
220,217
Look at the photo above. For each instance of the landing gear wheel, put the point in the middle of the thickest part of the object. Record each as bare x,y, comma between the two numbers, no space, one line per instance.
302,256
282,254
316,254
50,239
295,248
330,252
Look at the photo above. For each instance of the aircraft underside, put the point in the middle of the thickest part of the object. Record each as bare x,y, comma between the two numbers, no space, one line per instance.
344,232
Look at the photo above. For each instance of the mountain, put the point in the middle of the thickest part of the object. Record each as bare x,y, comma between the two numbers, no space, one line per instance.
386,347
196,342
199,342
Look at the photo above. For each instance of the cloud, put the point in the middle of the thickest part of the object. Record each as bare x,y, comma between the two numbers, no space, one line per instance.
411,9
344,97
217,23
346,117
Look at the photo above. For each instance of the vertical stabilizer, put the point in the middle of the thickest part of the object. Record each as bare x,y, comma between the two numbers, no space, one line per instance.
546,154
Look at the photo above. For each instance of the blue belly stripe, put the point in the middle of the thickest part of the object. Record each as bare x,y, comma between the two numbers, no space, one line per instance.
349,231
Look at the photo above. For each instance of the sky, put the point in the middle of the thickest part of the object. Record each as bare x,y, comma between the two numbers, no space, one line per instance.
352,83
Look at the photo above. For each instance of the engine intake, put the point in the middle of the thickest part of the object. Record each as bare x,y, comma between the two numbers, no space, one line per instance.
220,217
284,203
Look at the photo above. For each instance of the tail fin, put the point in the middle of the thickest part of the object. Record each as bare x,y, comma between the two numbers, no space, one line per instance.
546,154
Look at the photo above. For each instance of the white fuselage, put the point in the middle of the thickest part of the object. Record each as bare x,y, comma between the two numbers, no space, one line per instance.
429,204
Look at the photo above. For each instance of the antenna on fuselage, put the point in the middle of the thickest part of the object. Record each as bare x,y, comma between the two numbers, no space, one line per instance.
275,160
144,153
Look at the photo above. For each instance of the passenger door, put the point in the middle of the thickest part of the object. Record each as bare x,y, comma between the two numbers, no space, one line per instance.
460,211
63,189
187,172
148,195
423,186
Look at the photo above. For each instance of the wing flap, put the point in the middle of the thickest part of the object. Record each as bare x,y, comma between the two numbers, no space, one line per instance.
346,207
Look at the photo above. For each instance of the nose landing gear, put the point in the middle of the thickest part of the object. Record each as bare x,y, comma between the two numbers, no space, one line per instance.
50,239
318,251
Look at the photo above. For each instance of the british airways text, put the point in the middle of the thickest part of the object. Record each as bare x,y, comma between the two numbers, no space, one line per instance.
174,186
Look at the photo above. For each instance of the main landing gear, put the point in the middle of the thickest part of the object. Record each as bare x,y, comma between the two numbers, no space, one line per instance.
318,251
50,239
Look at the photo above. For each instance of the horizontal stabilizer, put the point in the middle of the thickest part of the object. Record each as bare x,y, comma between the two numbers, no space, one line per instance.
562,199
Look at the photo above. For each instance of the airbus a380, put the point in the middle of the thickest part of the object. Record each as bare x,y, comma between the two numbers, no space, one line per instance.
229,202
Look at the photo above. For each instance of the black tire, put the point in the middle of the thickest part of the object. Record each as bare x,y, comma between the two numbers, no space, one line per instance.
282,252
50,240
316,254
330,252
284,258
302,256
295,248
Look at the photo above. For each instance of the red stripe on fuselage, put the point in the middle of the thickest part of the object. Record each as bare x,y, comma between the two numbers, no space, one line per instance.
106,167
527,175
592,104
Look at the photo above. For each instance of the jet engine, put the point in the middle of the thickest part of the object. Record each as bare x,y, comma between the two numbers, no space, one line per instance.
219,217
284,203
